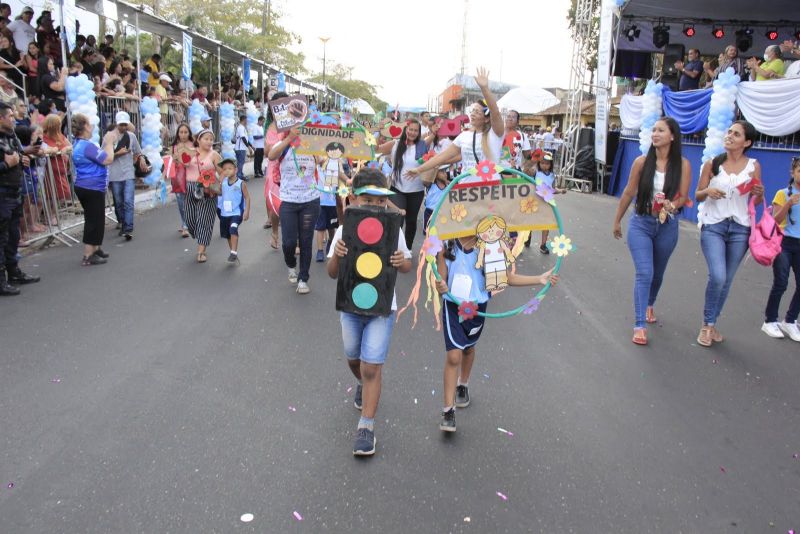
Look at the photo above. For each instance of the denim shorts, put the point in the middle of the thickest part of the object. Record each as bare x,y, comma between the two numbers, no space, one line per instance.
367,338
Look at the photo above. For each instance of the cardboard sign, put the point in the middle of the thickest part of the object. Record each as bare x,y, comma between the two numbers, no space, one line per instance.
365,285
513,199
314,141
289,111
392,130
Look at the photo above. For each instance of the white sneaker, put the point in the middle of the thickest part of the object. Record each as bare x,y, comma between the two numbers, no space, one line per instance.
791,330
772,330
292,276
302,288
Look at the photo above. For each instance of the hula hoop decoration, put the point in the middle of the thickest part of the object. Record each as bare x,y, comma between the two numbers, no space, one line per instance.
476,203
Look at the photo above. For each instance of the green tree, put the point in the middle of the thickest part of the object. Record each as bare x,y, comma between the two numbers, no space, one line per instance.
590,46
339,78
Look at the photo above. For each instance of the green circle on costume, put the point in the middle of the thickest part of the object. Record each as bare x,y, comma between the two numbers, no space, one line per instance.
365,296
369,265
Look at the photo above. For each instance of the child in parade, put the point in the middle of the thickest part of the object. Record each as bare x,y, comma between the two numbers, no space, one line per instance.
434,193
233,205
366,339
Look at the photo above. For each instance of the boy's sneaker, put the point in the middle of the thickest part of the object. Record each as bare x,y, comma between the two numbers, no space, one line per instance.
448,423
772,330
791,330
94,259
100,252
233,258
292,276
302,288
357,399
320,256
544,250
462,396
365,442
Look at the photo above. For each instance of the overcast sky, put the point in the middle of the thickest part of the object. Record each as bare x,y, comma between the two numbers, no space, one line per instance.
412,47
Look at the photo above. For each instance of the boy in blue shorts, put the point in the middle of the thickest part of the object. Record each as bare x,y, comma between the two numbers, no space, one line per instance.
233,205
366,339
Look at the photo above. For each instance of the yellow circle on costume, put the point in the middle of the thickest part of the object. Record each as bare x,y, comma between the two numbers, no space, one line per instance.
443,220
369,265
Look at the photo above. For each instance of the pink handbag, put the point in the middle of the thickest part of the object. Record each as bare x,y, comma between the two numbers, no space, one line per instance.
765,235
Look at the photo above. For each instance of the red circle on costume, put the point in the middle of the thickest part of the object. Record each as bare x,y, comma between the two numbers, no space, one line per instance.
370,230
186,158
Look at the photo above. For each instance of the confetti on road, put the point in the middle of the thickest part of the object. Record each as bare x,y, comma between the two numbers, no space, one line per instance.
292,409
714,361
722,469
795,456
467,519
10,485
433,392
504,431
350,389
486,376
415,401
246,518
297,515
502,496
402,353
55,380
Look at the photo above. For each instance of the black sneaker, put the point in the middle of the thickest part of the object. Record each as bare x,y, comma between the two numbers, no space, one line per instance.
448,423
6,289
462,396
18,278
103,254
544,250
94,259
233,258
127,235
365,442
357,399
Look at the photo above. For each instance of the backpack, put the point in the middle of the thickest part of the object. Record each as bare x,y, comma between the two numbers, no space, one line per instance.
765,235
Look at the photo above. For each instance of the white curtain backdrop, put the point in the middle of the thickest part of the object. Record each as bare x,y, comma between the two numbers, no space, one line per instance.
630,111
772,106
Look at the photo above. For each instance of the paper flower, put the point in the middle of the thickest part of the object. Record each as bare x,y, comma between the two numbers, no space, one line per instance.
531,306
537,155
561,245
528,205
458,212
545,191
294,143
369,139
425,157
467,310
343,191
432,245
485,170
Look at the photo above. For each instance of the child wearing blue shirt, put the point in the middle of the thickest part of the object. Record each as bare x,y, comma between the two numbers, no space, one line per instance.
434,193
233,205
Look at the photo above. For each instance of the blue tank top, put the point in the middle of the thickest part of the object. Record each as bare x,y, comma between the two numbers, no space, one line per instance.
230,201
463,279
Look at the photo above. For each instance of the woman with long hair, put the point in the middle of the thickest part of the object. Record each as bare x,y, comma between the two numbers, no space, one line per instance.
725,187
30,65
200,207
12,62
659,184
183,153
58,149
52,82
409,191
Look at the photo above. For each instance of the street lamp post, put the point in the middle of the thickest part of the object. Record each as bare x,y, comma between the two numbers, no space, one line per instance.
324,63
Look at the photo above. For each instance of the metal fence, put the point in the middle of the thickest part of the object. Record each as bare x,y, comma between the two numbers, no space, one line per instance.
763,141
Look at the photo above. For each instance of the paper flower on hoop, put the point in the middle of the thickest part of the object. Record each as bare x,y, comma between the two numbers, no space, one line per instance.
206,178
294,143
343,191
467,310
561,245
531,306
458,212
545,191
369,139
528,205
432,245
425,157
485,170
537,155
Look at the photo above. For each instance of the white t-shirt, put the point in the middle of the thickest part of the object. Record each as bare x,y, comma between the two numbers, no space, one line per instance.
442,145
258,137
407,184
24,34
241,137
547,141
512,150
464,141
298,187
401,246
734,204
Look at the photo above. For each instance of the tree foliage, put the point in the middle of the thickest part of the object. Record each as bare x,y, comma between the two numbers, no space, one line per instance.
339,78
590,46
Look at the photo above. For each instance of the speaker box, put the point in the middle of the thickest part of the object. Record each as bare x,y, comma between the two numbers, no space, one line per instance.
585,138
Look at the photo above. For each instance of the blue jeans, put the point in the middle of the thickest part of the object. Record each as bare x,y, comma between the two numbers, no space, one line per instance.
366,338
241,156
181,201
724,245
123,193
297,224
788,259
651,244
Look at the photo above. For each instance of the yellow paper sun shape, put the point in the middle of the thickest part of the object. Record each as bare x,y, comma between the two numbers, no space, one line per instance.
561,245
528,205
458,212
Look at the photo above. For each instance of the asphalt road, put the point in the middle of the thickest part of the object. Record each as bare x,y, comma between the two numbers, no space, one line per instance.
153,394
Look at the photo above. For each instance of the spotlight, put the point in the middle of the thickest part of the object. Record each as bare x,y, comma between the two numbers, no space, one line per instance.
718,31
771,34
661,36
632,32
688,30
744,39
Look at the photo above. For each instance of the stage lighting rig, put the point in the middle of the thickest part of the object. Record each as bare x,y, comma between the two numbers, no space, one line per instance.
661,35
771,34
744,39
688,30
718,31
632,32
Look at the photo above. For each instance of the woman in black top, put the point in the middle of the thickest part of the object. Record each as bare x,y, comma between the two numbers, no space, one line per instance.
10,61
52,82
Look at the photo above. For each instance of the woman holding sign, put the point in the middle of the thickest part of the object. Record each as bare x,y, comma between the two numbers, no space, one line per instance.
409,191
483,141
272,183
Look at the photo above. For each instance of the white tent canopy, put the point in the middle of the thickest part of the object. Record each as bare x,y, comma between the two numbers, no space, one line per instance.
528,100
362,106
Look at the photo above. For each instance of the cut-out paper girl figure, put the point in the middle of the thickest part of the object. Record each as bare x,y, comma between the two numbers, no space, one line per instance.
332,167
494,255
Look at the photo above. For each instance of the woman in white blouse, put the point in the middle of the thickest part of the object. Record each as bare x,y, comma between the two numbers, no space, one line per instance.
726,184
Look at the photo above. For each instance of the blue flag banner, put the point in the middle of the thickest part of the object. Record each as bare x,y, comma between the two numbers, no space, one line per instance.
246,74
187,57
